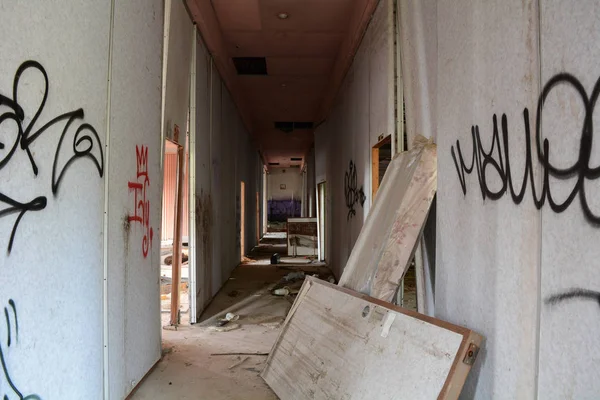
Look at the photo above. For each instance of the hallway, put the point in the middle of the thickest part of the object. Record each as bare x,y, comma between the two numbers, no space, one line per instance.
201,361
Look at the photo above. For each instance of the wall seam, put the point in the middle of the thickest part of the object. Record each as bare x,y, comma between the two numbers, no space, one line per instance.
105,354
540,221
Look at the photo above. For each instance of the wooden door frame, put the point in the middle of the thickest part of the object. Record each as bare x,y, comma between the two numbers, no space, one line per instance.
177,240
375,164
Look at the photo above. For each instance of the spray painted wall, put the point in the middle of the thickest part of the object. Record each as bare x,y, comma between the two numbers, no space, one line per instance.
363,111
52,197
53,194
523,277
135,194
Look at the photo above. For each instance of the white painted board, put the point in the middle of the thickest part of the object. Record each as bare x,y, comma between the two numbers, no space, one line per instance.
340,344
388,239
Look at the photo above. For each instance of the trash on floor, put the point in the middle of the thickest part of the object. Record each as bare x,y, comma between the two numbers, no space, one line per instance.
224,328
366,349
275,258
169,259
239,362
294,276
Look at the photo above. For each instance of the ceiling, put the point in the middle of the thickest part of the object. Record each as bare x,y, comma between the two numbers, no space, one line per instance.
307,55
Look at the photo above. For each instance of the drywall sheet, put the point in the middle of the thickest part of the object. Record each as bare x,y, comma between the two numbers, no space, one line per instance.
339,344
53,80
488,248
134,194
569,275
302,237
389,236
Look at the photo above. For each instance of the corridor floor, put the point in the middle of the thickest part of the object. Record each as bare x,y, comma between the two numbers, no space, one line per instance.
195,364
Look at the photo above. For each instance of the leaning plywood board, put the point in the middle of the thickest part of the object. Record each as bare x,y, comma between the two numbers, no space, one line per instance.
389,237
340,344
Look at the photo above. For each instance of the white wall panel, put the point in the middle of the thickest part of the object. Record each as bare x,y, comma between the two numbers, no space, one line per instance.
53,275
570,33
488,252
134,175
363,110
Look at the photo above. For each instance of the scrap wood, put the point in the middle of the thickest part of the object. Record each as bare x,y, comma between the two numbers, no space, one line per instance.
390,235
335,340
238,363
239,354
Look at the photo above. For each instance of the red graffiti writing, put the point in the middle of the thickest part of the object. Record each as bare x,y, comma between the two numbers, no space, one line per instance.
141,212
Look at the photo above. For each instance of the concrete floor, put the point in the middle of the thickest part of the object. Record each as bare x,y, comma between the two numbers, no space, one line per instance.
190,367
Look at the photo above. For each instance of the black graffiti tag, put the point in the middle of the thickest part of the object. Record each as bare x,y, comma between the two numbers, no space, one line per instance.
497,158
26,134
351,191
12,322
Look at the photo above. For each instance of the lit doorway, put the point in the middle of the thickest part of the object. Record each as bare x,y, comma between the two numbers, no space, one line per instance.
174,280
322,217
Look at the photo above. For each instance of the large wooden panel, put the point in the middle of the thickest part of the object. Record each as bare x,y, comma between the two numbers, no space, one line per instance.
339,344
389,237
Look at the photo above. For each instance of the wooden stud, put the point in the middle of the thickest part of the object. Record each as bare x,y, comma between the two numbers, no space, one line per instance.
176,266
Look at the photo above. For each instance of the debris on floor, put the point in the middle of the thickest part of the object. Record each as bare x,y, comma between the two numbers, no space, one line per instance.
169,259
224,328
239,362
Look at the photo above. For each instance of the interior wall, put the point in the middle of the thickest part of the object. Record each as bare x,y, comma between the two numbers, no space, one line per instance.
290,177
203,195
363,111
134,194
51,280
570,33
233,159
525,278
284,203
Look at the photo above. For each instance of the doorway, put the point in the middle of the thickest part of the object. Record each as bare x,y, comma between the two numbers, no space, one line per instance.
174,280
381,156
242,220
322,217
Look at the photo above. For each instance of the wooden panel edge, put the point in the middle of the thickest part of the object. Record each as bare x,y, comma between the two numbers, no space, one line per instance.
459,371
303,291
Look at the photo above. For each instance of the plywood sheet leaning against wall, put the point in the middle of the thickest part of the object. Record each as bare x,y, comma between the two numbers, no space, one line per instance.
390,234
340,344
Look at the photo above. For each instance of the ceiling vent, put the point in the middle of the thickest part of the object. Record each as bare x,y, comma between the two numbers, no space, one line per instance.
290,126
273,163
295,166
250,65
296,159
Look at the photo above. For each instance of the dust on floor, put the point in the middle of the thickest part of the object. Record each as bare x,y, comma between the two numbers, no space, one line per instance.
206,361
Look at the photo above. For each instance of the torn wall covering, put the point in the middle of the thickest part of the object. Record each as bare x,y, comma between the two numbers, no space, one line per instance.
363,111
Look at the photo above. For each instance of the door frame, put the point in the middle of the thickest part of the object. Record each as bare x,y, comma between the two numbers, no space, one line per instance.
375,164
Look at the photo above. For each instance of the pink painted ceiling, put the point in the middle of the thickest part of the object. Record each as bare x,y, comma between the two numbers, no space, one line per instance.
307,55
